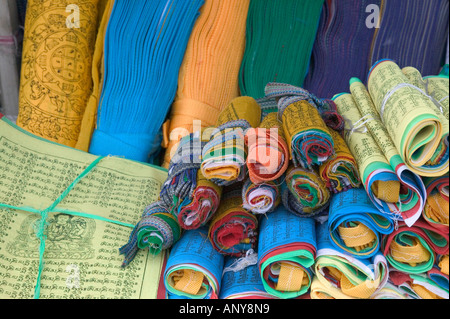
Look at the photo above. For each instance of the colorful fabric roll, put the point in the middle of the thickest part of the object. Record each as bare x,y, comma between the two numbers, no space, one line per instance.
208,78
196,211
305,194
417,127
421,286
268,153
233,229
224,156
157,230
355,225
309,139
279,41
242,283
436,209
413,250
145,43
56,74
392,187
339,276
357,34
286,253
340,171
194,268
390,291
261,198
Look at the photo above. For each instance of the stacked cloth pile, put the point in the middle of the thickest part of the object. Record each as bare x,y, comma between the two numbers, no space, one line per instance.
288,175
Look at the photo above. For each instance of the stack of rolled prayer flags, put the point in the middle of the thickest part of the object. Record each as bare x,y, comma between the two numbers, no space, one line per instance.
436,207
186,193
286,253
194,268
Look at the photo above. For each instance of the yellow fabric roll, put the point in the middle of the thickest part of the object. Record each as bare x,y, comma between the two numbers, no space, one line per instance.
443,264
56,79
89,117
208,78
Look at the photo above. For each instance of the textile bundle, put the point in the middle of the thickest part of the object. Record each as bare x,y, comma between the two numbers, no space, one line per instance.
242,283
186,193
357,34
392,187
224,156
430,285
286,251
355,226
55,82
417,128
279,41
157,230
305,194
233,229
340,171
436,207
268,154
414,249
339,276
208,78
261,198
194,268
138,88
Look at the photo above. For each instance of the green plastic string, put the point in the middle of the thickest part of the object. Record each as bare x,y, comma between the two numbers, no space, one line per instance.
40,231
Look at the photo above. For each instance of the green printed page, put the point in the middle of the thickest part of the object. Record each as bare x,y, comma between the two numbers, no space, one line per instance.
83,233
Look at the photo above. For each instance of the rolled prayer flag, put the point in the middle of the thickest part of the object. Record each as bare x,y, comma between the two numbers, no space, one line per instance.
186,193
411,118
157,230
393,188
390,291
268,153
196,211
355,225
194,268
261,198
286,253
233,229
442,262
436,209
208,78
339,275
340,171
308,137
242,283
414,249
56,73
305,194
420,286
224,156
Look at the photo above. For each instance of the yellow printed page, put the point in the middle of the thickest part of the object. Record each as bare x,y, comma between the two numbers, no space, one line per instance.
82,253
408,115
363,147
